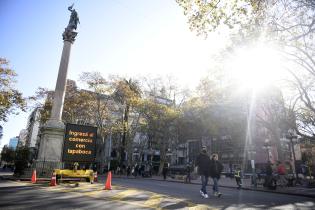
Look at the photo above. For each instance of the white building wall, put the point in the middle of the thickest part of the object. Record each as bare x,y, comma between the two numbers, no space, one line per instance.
34,135
22,137
33,128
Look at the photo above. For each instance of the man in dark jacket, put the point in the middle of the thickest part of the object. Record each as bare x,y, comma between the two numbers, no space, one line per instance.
215,171
165,170
203,163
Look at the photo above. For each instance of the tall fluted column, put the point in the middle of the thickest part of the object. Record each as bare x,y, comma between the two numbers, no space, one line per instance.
56,112
51,143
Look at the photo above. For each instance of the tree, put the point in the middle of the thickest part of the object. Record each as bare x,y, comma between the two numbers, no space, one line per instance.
289,23
215,113
7,154
128,93
90,106
76,106
160,125
11,100
273,115
21,159
288,19
100,107
302,69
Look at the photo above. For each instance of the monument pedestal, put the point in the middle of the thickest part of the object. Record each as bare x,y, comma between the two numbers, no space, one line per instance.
51,143
50,149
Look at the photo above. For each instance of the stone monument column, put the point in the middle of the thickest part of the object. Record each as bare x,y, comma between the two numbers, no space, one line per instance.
52,136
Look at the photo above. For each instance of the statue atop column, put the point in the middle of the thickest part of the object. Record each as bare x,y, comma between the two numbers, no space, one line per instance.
74,19
69,34
53,132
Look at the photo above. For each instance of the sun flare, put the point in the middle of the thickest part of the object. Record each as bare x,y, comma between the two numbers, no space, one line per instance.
256,67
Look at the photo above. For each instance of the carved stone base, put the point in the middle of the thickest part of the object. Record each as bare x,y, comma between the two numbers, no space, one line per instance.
51,142
44,169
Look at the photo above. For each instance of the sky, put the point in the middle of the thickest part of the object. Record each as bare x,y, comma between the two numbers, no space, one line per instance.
123,37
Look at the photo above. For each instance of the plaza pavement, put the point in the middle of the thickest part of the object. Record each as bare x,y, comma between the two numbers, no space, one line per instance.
230,183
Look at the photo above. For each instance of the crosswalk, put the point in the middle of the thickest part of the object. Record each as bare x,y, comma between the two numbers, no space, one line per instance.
139,198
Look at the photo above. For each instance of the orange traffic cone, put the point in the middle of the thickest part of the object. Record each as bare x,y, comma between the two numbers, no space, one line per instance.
95,177
53,181
34,179
108,184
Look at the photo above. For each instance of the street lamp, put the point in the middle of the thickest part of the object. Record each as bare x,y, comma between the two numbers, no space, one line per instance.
291,135
251,153
267,146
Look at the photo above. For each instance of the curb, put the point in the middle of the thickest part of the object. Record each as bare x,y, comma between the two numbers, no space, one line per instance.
232,187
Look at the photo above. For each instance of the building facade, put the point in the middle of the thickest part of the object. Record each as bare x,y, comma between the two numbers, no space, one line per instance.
13,142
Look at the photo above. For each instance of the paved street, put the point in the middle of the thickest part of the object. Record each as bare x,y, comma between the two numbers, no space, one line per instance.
231,199
24,195
139,194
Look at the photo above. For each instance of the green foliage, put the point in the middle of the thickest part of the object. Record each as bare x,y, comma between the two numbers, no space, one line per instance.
21,159
222,15
161,125
79,105
286,19
7,154
287,23
126,92
11,99
306,157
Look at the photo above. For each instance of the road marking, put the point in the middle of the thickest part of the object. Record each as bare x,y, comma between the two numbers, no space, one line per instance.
201,207
93,193
125,193
154,201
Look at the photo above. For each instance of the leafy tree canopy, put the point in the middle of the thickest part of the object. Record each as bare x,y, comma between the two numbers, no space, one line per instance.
288,19
11,100
7,154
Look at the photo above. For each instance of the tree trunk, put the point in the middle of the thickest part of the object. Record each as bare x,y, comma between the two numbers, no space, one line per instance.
124,137
162,157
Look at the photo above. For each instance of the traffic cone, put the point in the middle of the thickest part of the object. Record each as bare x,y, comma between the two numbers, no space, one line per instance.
53,181
108,184
95,177
34,179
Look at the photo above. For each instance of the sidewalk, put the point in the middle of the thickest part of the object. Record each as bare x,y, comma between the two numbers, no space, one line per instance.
230,183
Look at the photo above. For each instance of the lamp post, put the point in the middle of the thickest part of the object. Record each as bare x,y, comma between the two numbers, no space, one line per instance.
291,135
109,150
251,152
267,146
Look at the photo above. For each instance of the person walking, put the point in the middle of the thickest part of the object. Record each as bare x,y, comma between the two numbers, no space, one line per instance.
270,182
281,171
188,171
238,177
128,170
215,172
136,170
165,170
203,163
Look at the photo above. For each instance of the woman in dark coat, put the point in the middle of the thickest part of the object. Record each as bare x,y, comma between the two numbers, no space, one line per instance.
215,172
